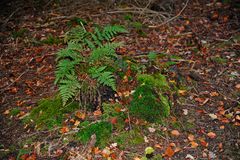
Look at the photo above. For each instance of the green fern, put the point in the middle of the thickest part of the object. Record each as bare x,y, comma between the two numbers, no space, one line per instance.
65,68
68,88
70,59
107,50
103,77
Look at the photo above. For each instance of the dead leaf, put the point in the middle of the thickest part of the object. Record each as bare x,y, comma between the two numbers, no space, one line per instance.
80,115
214,94
177,149
64,130
76,123
193,144
13,90
191,137
97,112
211,135
185,112
175,133
237,86
151,130
203,142
213,116
182,92
6,112
158,146
169,152
113,120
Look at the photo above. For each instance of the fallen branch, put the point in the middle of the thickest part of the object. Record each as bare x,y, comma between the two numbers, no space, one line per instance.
171,19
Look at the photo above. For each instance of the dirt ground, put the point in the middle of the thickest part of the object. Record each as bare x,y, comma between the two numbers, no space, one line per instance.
205,35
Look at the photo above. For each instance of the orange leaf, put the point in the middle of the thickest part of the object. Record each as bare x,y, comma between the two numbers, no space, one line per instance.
191,137
203,142
169,152
175,133
214,94
193,144
64,130
113,120
97,112
211,135
80,115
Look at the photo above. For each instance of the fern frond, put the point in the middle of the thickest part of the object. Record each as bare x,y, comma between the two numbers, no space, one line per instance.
111,31
89,43
103,77
68,53
64,67
76,34
73,45
107,79
107,50
68,88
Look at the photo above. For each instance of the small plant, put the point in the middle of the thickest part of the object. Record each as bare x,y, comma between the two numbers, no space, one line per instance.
149,102
101,129
19,33
15,111
50,40
77,70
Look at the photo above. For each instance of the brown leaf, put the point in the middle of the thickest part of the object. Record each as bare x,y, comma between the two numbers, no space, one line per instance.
64,129
80,115
169,152
193,144
214,94
191,137
97,112
175,133
203,142
76,123
6,112
211,135
113,120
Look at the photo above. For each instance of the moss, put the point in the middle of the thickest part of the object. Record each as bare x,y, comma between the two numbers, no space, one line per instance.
128,138
102,130
50,112
148,103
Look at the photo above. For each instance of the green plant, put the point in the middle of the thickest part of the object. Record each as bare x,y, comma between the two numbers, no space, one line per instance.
19,33
149,102
50,112
50,40
101,129
76,70
15,111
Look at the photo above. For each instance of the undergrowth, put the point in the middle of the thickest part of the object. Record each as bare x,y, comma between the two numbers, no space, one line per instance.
149,101
50,112
87,61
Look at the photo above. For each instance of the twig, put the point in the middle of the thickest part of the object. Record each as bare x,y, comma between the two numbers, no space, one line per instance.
171,19
6,87
9,17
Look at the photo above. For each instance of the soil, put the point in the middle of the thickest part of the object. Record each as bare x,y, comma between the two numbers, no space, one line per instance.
206,36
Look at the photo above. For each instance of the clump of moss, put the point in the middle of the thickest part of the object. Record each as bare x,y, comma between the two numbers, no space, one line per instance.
101,129
133,138
50,112
148,102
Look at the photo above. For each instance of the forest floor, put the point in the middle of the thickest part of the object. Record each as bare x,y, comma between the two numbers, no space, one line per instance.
205,115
